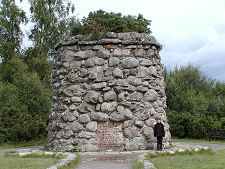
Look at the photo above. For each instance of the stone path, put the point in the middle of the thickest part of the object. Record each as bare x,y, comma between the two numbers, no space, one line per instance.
104,165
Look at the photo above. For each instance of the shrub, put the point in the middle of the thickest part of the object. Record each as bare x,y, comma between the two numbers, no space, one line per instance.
100,22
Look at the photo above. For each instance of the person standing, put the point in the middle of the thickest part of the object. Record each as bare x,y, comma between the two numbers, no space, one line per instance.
159,133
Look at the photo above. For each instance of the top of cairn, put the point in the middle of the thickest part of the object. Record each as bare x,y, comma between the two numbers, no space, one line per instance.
126,38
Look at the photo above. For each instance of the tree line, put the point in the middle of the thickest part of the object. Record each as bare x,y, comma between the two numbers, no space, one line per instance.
196,103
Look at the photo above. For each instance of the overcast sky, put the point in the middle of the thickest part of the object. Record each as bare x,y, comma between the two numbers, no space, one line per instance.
191,31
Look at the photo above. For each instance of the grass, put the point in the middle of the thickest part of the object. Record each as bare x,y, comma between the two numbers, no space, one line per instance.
204,159
138,165
198,140
31,161
23,144
73,163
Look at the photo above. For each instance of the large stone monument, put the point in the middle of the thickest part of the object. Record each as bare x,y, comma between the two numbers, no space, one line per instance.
107,94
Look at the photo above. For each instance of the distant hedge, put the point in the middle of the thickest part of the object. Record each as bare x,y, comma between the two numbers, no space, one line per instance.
100,22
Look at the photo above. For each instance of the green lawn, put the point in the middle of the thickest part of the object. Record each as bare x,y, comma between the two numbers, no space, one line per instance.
23,144
195,161
198,140
16,162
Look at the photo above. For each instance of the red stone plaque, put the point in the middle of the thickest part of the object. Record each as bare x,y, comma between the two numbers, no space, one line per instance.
110,135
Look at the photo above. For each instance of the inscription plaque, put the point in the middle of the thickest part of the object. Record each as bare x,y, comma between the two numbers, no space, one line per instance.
110,135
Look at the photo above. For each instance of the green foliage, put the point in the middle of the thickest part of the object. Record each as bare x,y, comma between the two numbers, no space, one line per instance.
11,17
100,22
50,24
195,102
24,103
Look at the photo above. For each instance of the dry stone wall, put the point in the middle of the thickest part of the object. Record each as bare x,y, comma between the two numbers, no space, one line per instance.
107,94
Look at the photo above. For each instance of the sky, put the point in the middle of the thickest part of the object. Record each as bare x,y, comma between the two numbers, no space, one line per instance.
191,31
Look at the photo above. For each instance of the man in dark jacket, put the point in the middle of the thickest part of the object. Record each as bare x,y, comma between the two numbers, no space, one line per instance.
159,133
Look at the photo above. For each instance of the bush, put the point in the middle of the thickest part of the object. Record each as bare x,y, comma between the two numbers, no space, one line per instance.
99,22
25,103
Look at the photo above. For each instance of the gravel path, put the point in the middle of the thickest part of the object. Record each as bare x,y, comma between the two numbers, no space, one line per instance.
2,151
104,165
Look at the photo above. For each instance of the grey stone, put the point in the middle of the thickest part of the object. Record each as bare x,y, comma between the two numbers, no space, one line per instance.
76,99
142,89
81,55
118,73
130,132
106,89
103,53
148,132
134,81
85,134
139,52
145,62
109,41
84,118
135,96
128,114
92,126
99,61
89,62
133,71
153,71
83,72
129,62
114,61
73,90
97,47
92,97
76,127
138,123
72,76
128,123
85,108
108,107
150,122
96,73
121,52
68,117
67,56
98,86
73,107
66,65
110,96
99,116
142,72
75,64
111,35
151,95
117,116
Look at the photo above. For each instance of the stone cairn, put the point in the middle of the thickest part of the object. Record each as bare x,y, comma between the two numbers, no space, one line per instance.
107,94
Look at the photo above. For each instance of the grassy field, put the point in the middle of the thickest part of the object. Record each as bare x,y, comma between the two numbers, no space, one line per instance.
32,161
198,141
23,144
215,160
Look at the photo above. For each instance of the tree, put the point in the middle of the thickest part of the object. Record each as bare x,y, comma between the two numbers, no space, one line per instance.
51,22
195,102
11,17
